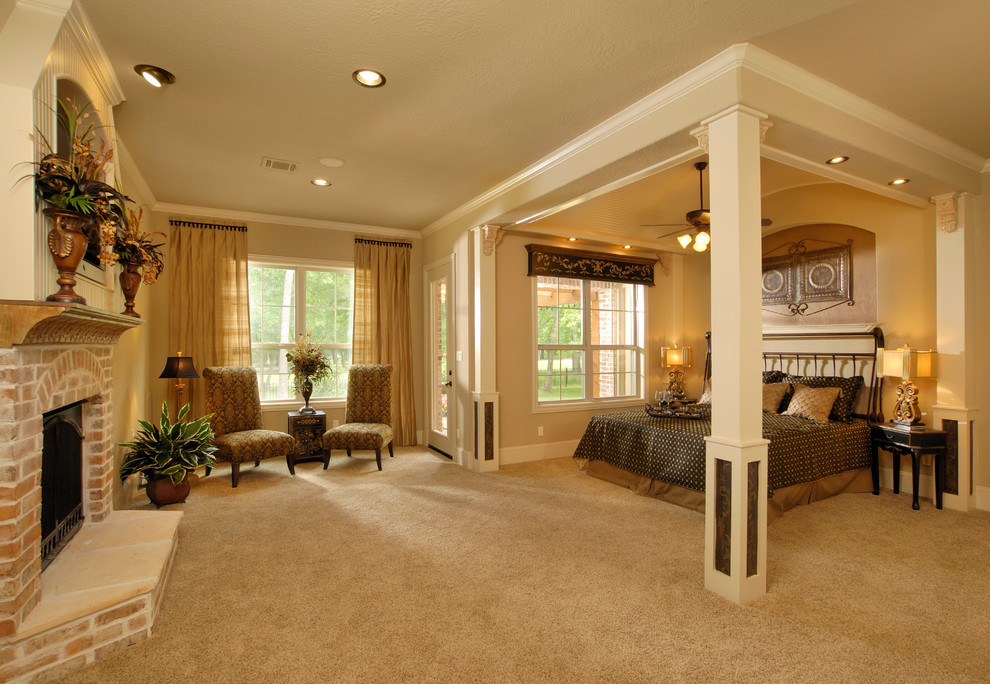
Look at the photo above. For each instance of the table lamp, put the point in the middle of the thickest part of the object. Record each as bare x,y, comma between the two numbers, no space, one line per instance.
907,363
675,358
179,367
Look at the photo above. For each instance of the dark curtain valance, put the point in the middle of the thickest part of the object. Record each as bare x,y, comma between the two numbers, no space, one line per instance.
210,226
366,241
575,263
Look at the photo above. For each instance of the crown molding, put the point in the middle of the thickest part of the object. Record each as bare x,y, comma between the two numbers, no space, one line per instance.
274,219
805,83
93,54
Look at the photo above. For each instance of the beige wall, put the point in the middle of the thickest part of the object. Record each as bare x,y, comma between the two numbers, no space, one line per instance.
138,356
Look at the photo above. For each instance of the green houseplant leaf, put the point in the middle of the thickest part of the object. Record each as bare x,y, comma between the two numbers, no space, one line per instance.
169,449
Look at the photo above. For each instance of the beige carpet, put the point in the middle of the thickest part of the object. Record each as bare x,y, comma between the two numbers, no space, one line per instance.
427,572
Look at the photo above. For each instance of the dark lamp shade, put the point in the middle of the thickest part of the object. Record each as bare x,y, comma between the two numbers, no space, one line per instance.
179,367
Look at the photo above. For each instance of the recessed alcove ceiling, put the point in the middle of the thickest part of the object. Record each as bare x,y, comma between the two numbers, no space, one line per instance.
479,92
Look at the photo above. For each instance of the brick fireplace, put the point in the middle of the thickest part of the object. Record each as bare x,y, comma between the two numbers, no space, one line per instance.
53,355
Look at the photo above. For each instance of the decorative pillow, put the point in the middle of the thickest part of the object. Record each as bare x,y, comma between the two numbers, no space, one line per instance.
706,396
843,407
773,394
773,376
813,403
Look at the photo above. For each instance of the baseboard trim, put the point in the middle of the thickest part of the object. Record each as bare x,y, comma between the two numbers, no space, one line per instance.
982,498
537,452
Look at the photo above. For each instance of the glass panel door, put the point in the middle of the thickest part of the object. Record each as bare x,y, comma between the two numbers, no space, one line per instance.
441,400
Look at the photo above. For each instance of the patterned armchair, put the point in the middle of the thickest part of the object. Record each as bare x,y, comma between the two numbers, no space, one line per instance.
232,398
368,417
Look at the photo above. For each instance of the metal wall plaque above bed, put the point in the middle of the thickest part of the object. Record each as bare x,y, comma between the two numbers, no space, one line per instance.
801,277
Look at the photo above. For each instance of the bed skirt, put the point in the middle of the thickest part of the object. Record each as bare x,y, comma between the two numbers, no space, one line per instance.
786,498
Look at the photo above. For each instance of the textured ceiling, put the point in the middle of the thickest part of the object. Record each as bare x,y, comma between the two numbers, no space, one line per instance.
476,91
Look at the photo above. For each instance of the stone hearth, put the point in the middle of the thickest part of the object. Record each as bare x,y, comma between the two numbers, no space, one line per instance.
52,355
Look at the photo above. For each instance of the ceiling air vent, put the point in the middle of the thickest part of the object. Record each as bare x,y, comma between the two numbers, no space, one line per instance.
279,164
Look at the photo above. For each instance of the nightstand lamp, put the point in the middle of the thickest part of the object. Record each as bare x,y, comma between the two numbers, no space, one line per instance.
675,358
907,363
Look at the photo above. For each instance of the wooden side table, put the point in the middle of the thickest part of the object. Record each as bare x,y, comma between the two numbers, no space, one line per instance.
915,443
308,429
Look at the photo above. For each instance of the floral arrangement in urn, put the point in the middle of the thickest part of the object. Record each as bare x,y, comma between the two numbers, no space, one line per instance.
309,366
140,258
133,246
73,187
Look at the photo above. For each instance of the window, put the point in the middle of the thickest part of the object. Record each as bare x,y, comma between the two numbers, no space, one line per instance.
589,340
286,299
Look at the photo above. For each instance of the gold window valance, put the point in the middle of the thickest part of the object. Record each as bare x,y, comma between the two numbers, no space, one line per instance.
575,263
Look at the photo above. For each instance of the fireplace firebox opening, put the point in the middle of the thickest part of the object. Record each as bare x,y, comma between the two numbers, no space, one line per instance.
61,479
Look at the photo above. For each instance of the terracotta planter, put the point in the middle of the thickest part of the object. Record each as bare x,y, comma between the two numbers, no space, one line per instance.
67,242
162,492
130,281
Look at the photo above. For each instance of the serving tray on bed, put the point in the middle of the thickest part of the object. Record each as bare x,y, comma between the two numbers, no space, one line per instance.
692,412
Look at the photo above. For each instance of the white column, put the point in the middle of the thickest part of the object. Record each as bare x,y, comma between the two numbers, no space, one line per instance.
954,410
484,395
26,37
736,459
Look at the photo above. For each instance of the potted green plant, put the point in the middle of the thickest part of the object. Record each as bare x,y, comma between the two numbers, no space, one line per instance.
82,205
167,452
139,257
309,366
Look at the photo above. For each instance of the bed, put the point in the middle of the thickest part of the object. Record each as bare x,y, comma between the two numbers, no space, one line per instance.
664,457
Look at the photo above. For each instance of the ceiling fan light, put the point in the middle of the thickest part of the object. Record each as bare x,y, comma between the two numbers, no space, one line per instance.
699,246
703,238
685,240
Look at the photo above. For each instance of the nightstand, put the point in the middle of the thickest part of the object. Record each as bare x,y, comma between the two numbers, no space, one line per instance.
308,429
915,443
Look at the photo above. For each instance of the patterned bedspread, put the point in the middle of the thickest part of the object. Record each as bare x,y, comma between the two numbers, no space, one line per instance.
673,449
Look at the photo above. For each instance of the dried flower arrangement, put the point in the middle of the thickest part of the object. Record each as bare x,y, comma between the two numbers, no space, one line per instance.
131,245
308,362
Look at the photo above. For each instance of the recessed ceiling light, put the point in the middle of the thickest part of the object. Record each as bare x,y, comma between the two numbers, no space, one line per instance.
572,239
322,182
332,162
837,160
626,246
369,78
156,76
899,181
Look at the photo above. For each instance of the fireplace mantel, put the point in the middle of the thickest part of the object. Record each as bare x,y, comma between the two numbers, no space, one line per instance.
23,322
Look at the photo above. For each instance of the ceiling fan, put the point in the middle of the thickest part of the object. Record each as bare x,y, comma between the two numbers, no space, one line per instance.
699,219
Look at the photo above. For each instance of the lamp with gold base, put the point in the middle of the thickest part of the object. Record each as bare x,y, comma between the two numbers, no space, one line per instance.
675,358
907,363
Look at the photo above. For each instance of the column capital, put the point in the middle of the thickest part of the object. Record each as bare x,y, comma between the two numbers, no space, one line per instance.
701,132
946,212
491,235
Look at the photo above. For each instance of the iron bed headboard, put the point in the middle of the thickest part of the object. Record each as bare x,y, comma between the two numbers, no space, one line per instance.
820,361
